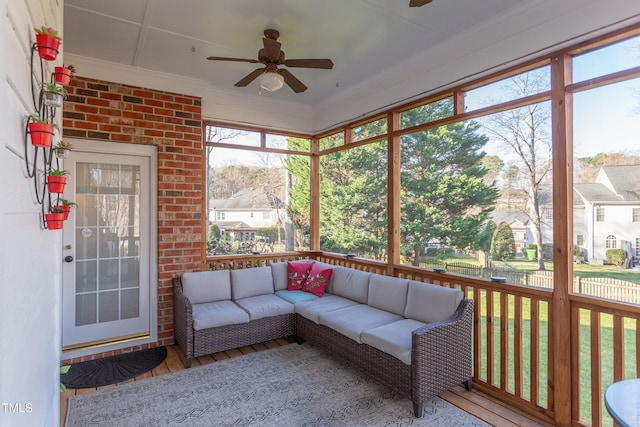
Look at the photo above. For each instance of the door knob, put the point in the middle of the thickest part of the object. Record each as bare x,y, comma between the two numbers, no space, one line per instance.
68,258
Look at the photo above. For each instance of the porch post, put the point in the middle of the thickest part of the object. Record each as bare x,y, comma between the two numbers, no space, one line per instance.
314,199
393,192
561,122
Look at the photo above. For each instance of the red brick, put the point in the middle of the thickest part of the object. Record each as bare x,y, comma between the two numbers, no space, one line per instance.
85,125
121,137
112,96
97,118
143,93
86,108
110,128
96,101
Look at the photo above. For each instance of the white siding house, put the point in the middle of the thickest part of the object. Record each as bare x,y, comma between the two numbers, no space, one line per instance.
254,207
607,212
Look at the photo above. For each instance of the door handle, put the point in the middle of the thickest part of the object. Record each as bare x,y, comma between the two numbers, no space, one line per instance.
68,258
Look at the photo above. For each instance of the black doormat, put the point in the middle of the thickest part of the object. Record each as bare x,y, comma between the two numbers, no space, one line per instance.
114,369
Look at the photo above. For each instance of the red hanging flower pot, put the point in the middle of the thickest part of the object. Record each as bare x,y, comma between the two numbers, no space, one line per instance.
66,210
62,75
47,46
54,220
41,134
56,184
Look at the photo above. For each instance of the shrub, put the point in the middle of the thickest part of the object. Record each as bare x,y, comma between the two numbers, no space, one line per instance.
616,256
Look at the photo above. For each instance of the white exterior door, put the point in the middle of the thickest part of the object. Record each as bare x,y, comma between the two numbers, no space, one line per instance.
109,268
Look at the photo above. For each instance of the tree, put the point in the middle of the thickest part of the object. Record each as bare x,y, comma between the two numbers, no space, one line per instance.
298,195
444,197
525,132
588,167
503,245
353,211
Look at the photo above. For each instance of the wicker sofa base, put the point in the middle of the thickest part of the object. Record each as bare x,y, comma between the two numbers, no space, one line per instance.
440,359
383,367
213,340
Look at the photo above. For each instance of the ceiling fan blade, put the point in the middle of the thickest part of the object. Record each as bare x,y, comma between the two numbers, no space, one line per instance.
292,81
309,63
271,49
222,58
418,3
250,77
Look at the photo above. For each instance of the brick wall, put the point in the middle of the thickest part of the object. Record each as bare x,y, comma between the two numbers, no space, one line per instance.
114,112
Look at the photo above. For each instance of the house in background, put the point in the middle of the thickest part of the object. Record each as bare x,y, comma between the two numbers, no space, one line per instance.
249,208
607,212
519,223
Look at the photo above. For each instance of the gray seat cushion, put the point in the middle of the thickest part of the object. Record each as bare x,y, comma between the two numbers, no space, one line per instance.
267,305
353,321
388,293
350,283
328,303
206,286
431,303
219,313
393,338
251,282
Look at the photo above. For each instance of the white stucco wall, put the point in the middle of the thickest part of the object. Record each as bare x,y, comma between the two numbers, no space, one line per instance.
30,257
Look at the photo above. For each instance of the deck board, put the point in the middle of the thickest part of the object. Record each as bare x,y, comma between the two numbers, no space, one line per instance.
476,403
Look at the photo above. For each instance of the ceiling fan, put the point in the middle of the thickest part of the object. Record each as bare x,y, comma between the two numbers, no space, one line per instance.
272,77
418,3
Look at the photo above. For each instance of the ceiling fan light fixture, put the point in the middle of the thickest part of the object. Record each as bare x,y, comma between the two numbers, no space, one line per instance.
271,81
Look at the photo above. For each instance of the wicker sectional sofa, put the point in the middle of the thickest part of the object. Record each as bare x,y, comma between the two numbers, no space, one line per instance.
411,336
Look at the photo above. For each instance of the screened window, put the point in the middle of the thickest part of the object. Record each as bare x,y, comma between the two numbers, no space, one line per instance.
580,240
427,113
600,214
636,215
528,83
611,242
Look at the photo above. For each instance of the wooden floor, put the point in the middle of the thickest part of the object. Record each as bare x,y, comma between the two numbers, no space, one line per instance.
474,402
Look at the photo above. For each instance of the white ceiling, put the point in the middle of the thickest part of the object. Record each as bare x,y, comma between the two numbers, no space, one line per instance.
362,37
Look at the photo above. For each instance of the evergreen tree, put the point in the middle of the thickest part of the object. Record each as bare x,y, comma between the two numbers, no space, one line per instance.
503,245
444,197
353,208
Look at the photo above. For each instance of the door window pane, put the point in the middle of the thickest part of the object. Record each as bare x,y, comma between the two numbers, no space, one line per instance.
107,242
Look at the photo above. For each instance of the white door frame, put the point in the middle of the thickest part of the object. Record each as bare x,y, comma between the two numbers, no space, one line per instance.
150,151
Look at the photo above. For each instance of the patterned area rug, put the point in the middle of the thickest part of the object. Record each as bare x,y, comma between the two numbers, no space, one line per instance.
287,386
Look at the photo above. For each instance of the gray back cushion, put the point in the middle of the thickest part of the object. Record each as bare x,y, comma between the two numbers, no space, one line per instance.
388,293
279,273
251,282
206,286
350,283
431,303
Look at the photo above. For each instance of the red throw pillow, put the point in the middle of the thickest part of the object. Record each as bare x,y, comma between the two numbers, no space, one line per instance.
318,279
297,273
